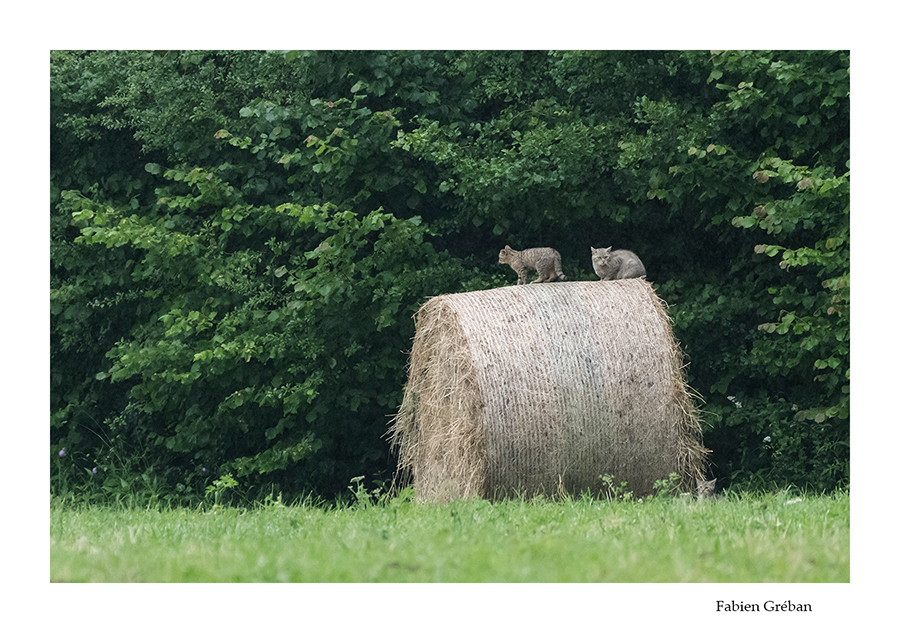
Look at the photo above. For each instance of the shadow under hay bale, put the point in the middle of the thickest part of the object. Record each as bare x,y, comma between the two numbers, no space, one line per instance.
538,389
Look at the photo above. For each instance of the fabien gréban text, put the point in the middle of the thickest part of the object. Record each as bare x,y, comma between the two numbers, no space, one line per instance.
769,605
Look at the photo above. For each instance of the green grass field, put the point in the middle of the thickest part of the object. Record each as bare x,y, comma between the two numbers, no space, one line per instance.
775,538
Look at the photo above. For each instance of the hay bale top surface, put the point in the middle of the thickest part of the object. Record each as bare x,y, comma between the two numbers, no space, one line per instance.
541,387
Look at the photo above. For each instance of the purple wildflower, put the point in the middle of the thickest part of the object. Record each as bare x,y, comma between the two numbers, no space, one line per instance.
94,470
62,453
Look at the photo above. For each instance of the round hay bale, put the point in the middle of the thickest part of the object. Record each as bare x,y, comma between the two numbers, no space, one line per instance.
544,388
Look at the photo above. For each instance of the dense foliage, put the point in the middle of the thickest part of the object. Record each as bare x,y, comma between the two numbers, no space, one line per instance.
240,239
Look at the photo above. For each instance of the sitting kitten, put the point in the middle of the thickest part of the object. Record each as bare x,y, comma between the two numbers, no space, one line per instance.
546,261
610,264
706,489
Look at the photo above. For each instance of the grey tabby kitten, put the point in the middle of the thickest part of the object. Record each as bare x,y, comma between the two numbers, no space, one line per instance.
610,264
706,489
546,261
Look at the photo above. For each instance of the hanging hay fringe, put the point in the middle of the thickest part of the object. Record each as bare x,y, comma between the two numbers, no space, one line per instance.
539,389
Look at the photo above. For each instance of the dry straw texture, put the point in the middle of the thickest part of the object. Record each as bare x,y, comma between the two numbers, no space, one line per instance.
542,388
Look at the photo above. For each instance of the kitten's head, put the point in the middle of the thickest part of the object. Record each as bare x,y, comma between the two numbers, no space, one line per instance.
705,488
505,254
600,256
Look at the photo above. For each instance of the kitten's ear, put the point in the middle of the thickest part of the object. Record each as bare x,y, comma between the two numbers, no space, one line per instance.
507,248
712,482
699,481
608,248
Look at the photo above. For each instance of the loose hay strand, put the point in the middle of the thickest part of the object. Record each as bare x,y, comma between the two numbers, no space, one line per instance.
536,389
